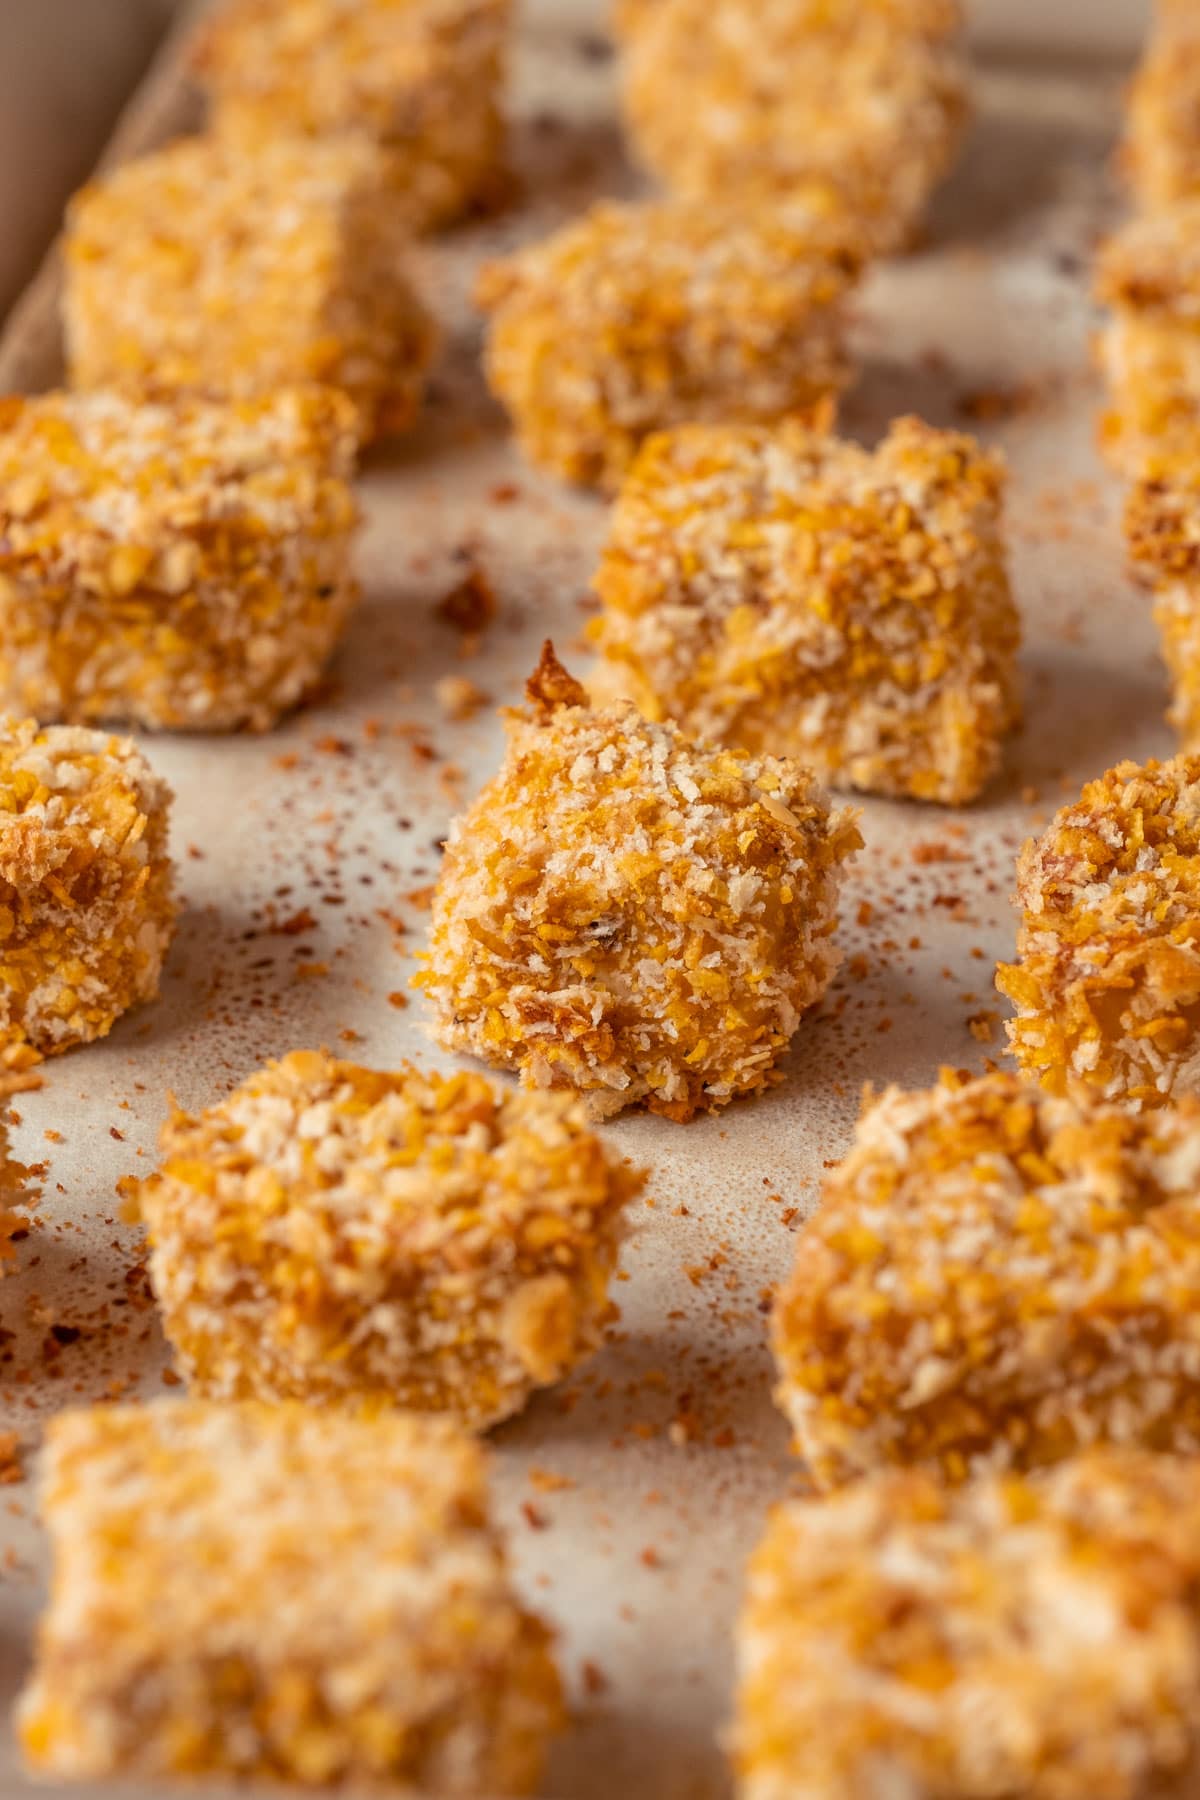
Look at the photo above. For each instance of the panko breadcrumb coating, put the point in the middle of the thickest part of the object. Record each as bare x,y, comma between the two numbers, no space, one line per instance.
1160,152
1019,1637
1148,275
86,907
780,589
422,79
632,916
1106,984
638,317
182,566
1162,527
337,1235
724,98
272,1592
204,269
996,1278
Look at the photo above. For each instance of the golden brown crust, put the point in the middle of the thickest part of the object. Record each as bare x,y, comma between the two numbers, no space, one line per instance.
1033,1637
272,1592
356,1238
995,1279
1106,984
634,917
639,317
201,269
850,609
184,566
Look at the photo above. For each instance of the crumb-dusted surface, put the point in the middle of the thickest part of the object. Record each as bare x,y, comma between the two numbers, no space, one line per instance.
871,99
342,1236
783,590
1160,149
626,914
1162,528
86,907
183,566
637,317
276,1592
1106,984
205,269
1148,275
1018,1636
995,1279
423,79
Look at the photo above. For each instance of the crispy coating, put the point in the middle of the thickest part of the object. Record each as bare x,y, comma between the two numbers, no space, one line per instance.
995,1279
1160,150
724,98
341,1236
1162,528
86,907
205,270
181,566
273,1592
631,916
639,317
1106,984
778,588
1019,1637
1148,275
422,79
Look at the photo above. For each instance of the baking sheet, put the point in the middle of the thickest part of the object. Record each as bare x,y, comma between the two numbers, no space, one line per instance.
633,1494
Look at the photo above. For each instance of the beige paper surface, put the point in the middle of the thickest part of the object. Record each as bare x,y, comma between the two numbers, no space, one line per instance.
668,1446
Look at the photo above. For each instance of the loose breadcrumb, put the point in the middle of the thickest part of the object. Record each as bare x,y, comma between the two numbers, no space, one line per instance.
338,1235
631,916
642,316
995,1279
1148,275
1106,984
86,908
203,269
177,566
851,609
868,100
1162,527
1014,1637
423,79
273,1592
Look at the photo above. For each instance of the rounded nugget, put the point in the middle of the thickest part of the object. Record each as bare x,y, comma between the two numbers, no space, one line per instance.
338,1235
1020,1637
86,909
630,915
996,1278
639,317
1106,983
723,98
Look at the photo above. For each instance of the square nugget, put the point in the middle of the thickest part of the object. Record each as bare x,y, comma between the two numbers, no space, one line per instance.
208,271
1160,152
1162,528
183,566
86,903
995,1279
351,1237
253,1591
723,98
1106,982
1038,1639
423,79
851,609
635,318
1149,277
